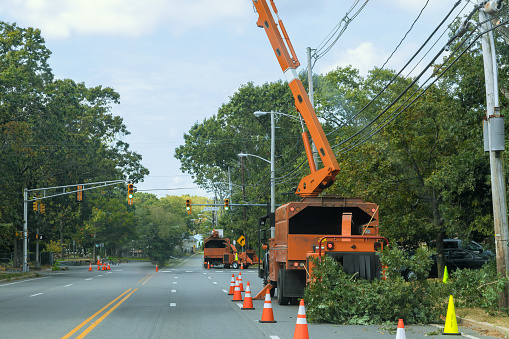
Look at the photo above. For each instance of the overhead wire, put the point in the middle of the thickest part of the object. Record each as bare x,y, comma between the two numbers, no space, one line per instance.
398,113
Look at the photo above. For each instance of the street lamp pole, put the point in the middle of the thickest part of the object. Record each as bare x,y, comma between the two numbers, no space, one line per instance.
272,175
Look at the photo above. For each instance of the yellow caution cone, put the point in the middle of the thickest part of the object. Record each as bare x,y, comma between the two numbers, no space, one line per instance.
451,326
446,275
400,334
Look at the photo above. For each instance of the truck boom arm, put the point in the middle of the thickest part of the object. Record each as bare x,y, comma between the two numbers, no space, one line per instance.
318,180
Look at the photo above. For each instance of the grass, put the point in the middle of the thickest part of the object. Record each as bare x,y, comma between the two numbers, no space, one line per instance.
9,276
478,314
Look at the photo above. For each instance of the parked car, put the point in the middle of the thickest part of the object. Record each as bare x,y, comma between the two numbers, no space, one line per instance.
454,259
459,244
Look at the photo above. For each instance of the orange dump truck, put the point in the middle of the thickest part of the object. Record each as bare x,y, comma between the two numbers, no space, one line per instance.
219,251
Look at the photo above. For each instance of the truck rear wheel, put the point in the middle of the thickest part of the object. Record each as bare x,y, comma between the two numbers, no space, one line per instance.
235,265
281,299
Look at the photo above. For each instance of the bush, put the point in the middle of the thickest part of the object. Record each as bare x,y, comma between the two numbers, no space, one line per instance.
478,288
339,298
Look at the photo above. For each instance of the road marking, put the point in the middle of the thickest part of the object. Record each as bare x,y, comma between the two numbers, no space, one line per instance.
22,281
210,277
173,291
100,275
68,285
89,279
215,283
35,295
165,271
274,337
93,316
225,291
176,277
462,334
189,271
145,277
148,279
173,304
174,283
239,305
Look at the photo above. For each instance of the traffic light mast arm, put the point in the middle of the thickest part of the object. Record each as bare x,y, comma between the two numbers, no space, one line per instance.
318,180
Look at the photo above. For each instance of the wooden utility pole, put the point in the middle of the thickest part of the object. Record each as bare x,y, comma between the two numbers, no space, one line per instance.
495,144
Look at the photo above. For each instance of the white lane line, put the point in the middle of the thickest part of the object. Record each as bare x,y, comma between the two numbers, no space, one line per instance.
174,283
225,291
35,295
462,334
176,277
89,279
215,283
239,305
173,291
189,271
274,337
205,273
68,285
210,277
173,304
165,271
100,275
22,281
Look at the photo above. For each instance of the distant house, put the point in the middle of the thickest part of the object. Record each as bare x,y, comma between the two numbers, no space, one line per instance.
190,242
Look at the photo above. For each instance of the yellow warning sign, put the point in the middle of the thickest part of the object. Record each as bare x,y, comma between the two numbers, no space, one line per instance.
241,240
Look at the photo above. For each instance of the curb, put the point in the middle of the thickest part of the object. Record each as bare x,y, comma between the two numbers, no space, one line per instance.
484,326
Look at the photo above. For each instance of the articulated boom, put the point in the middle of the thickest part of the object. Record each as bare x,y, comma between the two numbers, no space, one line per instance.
314,183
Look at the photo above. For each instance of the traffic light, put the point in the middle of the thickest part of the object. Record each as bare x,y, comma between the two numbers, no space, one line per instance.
188,206
35,206
130,193
43,208
226,204
79,193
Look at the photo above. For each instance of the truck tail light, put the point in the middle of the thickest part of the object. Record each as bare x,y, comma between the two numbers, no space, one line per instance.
295,264
330,246
377,246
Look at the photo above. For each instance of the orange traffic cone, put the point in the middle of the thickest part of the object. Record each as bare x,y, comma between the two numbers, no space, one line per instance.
98,262
90,267
241,284
237,296
241,266
232,285
301,327
208,265
400,334
267,315
108,268
248,301
104,267
98,267
157,268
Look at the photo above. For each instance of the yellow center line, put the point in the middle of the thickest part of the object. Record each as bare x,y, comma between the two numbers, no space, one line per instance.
93,316
143,278
148,279
98,321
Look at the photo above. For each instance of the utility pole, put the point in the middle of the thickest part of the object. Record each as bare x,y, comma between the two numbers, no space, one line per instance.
312,99
495,142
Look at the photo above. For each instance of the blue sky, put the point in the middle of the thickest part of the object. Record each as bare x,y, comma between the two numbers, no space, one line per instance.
175,62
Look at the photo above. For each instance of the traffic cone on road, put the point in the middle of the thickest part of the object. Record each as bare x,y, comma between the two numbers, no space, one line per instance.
232,285
90,267
98,267
98,262
400,333
451,326
241,266
157,268
301,327
237,296
241,284
104,267
248,300
267,315
108,268
208,265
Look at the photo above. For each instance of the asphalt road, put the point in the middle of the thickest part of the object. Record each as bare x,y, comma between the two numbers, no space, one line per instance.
133,301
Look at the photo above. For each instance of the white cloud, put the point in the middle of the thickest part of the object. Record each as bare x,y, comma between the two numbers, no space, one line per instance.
63,18
364,57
